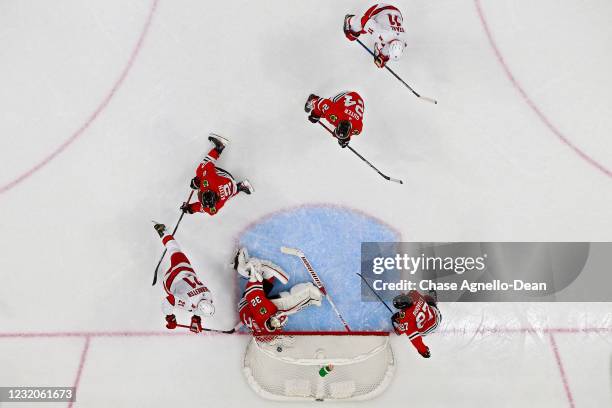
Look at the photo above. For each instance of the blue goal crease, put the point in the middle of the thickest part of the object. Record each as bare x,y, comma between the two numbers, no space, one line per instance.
331,238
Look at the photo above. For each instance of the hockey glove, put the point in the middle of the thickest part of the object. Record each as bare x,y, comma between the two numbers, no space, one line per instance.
431,298
196,324
343,142
195,183
314,118
186,207
161,229
426,354
350,34
380,60
394,322
309,105
171,321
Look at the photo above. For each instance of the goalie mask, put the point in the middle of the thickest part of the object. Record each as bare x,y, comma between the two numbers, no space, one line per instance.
402,301
209,198
276,321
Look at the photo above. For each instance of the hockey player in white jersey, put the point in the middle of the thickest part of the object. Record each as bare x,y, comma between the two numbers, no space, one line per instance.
385,24
183,288
263,314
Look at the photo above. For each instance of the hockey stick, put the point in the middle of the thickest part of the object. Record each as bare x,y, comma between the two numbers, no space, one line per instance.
363,158
425,98
374,292
317,281
208,330
378,296
173,232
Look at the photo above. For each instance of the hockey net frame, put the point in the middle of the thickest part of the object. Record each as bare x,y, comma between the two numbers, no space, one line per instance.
287,366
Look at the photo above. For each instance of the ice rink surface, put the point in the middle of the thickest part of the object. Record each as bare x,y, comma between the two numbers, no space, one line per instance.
105,111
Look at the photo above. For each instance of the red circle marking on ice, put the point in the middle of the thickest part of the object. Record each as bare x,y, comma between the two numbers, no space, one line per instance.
530,101
94,115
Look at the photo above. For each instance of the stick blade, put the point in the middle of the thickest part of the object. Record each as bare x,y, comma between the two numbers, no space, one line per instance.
391,178
427,99
291,251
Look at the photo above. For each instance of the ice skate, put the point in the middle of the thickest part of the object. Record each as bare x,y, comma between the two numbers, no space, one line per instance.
245,187
219,142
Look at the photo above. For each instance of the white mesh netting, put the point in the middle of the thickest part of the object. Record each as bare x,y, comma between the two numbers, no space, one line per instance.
319,366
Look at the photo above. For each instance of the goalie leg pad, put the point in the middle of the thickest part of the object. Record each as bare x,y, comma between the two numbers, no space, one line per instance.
262,269
270,270
299,296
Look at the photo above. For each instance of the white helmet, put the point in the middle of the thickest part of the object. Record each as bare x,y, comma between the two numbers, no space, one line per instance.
396,49
206,307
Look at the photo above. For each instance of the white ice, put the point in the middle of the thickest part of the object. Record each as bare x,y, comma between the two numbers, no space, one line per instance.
134,88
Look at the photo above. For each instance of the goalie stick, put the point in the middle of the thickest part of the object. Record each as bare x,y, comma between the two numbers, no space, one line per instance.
173,232
315,278
363,158
425,98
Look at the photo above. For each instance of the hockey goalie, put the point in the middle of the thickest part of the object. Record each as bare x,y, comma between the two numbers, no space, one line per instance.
264,314
385,24
418,316
183,288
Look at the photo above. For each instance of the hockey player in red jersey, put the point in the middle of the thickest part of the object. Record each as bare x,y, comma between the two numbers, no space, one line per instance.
258,311
215,186
344,112
183,288
417,317
385,24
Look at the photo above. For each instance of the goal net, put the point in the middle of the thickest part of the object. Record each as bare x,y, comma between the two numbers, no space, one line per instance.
319,366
